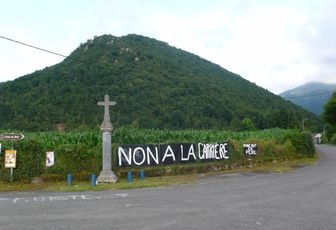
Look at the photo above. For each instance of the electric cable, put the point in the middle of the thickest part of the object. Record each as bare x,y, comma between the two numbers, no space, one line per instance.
35,47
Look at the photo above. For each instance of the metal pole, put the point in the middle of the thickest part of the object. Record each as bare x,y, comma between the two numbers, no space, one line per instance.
142,174
93,180
69,179
11,169
129,177
11,174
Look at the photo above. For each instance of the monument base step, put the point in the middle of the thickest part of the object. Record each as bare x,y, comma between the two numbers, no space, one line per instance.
107,177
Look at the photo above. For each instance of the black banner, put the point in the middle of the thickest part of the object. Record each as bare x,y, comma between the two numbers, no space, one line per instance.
151,155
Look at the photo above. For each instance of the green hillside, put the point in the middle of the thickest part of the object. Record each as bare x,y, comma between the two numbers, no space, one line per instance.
155,86
311,96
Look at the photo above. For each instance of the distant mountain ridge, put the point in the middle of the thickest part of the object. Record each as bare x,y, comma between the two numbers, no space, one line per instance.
312,96
154,84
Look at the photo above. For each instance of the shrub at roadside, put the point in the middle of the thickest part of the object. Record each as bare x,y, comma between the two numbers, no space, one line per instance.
302,142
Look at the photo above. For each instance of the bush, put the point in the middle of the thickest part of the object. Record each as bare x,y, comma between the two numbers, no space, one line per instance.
301,141
333,139
29,160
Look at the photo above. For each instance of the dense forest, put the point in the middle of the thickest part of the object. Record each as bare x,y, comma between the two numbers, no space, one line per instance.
312,96
155,86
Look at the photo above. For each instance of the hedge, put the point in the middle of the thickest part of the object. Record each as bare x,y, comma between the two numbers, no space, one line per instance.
80,153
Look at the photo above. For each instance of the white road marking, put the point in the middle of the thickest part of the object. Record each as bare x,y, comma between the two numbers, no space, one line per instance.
41,199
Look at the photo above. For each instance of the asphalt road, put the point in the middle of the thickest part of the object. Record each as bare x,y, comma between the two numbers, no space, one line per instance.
303,199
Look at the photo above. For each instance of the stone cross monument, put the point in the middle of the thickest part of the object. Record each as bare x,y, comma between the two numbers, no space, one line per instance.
107,175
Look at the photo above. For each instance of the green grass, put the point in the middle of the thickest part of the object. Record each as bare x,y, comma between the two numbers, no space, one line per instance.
122,183
150,182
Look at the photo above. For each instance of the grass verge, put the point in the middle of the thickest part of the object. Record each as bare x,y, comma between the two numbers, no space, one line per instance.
150,182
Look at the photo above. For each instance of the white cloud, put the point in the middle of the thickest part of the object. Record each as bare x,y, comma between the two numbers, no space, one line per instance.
250,43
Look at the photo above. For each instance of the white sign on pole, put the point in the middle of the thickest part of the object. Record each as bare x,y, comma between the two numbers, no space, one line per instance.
50,158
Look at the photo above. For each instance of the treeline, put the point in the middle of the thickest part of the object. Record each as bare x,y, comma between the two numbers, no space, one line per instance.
329,117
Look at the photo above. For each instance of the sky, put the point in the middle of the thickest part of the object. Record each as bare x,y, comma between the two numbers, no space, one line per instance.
276,44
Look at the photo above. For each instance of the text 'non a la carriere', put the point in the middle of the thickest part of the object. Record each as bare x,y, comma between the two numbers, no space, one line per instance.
151,155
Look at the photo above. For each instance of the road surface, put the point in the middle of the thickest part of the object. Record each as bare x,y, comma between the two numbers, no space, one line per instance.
303,199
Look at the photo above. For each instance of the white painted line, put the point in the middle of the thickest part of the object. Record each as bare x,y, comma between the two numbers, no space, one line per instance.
76,197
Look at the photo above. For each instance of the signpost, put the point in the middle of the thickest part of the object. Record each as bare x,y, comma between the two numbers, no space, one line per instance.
10,161
10,155
11,136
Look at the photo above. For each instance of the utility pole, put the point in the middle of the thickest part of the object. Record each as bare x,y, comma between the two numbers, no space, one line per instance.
303,126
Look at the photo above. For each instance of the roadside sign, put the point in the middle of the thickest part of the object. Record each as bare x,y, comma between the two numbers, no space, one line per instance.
10,158
250,149
50,159
11,136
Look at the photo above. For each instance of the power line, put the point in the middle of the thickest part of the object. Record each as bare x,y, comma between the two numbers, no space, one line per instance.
35,47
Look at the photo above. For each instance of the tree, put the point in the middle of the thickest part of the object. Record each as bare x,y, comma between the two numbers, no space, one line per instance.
235,124
329,112
247,124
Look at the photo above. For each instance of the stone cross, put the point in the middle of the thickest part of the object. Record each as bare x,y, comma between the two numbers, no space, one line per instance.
106,125
107,175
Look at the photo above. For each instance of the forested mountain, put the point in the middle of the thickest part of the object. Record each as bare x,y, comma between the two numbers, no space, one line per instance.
155,86
311,96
